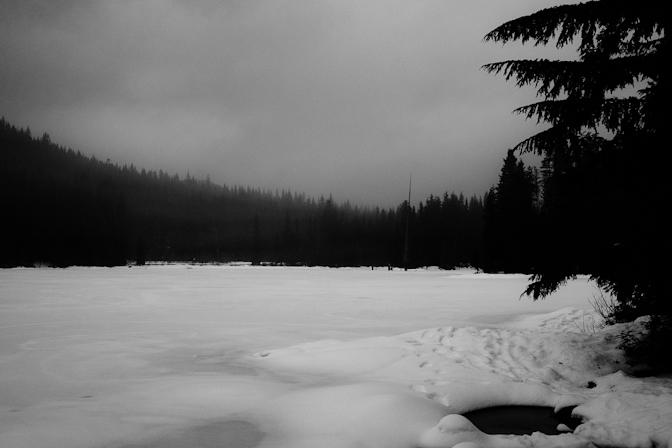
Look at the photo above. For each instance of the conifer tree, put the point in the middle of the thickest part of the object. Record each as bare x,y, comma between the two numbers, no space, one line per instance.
605,149
510,221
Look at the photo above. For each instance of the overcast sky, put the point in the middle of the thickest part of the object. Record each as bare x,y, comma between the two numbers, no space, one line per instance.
320,96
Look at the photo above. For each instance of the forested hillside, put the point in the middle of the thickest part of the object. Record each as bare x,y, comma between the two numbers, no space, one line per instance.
63,208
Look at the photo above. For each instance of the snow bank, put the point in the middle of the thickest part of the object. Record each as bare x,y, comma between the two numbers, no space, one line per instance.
508,366
381,415
626,411
363,414
558,359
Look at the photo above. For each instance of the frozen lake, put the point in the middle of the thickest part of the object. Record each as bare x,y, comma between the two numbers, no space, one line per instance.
160,356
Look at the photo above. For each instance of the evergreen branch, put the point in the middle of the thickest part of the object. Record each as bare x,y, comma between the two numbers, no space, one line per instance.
549,141
562,139
612,113
634,47
623,114
575,78
586,20
543,285
560,111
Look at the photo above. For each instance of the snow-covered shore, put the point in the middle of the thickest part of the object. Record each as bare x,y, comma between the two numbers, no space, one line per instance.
563,358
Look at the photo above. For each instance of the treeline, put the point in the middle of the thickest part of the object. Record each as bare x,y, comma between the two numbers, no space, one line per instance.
62,208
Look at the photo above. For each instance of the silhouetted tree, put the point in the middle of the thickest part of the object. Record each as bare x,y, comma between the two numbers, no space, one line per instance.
605,159
511,218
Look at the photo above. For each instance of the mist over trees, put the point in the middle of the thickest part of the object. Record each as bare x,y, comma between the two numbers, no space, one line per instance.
62,208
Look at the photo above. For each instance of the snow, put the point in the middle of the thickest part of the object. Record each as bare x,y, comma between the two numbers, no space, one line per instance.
537,366
628,411
362,414
243,356
543,360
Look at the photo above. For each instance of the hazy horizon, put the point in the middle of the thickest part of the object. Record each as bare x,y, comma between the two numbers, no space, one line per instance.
344,98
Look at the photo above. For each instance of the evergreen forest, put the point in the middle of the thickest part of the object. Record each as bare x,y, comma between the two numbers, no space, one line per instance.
63,208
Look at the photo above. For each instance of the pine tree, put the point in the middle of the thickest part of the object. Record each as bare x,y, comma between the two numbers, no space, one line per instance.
605,151
511,218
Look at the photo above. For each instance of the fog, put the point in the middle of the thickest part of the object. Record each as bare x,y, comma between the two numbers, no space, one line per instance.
342,97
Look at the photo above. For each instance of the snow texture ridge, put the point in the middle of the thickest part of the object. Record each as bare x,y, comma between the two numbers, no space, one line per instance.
564,358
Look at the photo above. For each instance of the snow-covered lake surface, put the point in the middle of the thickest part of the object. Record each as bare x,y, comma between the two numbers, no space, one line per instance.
239,356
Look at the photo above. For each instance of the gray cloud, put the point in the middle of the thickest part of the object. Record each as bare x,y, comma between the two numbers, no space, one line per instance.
322,96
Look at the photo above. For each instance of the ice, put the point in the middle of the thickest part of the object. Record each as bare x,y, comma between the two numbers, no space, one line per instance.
289,357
